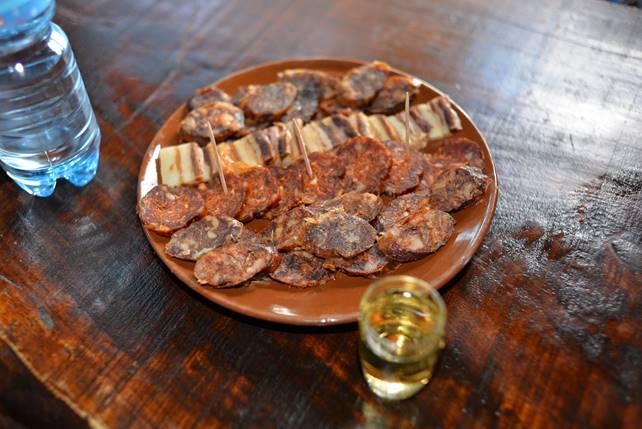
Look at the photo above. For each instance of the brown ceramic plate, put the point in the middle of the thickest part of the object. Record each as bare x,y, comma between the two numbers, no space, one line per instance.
338,301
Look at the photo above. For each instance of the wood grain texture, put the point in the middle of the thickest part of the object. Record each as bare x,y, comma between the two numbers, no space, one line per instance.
544,323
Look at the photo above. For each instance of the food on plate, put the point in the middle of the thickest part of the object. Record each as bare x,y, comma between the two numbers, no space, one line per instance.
458,187
207,95
458,149
402,207
406,169
336,233
219,203
261,191
392,96
367,263
225,118
290,190
286,231
361,84
301,269
367,163
417,235
267,102
327,182
183,164
234,263
322,84
165,209
365,205
202,236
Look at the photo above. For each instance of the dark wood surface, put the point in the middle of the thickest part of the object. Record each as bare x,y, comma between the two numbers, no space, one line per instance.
545,326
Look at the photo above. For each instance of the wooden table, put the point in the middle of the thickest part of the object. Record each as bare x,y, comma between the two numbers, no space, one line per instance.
545,325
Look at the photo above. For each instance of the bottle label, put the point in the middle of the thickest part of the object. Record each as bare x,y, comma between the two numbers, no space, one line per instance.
15,13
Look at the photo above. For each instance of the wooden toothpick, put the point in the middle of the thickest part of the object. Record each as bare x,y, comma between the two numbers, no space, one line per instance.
407,118
217,158
304,151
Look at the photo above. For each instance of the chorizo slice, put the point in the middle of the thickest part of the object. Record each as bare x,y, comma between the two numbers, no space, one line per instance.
336,233
459,150
165,209
360,84
301,269
206,95
365,205
290,190
285,232
328,182
392,97
417,235
370,262
367,163
406,169
202,236
217,202
234,263
225,118
261,191
458,187
267,102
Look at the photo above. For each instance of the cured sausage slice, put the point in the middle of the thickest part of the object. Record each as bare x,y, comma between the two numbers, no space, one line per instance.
304,107
225,118
322,84
207,95
328,183
365,205
402,207
286,231
301,269
367,163
219,203
261,191
267,102
202,236
392,97
336,233
234,263
406,169
417,235
370,262
460,149
290,190
458,187
165,209
360,85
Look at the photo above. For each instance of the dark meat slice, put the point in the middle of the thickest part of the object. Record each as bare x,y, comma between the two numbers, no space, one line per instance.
365,205
261,191
430,171
225,118
328,182
202,236
219,203
360,85
242,93
166,209
304,107
207,95
267,102
367,163
392,97
332,107
301,269
370,262
234,263
406,170
322,84
286,231
290,190
336,233
402,207
458,187
459,150
417,235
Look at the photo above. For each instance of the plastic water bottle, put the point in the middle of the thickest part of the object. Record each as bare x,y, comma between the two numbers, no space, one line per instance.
48,129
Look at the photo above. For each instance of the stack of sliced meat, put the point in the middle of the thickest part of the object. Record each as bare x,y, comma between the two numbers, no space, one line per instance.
334,221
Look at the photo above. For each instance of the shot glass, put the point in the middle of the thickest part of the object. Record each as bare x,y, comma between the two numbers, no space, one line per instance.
401,329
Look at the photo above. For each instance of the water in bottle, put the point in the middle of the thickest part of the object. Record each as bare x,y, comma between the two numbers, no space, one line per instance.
48,130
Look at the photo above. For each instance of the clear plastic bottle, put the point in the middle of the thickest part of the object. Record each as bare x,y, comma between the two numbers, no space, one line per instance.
48,129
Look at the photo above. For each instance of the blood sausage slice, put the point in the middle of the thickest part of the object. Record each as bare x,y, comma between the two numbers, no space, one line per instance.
360,85
225,118
301,269
402,207
458,187
202,236
365,205
166,209
336,233
370,262
392,97
207,95
267,102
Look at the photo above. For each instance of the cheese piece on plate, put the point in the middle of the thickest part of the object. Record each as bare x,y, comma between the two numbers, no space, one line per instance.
183,164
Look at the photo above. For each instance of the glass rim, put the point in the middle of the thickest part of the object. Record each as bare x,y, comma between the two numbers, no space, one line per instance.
440,319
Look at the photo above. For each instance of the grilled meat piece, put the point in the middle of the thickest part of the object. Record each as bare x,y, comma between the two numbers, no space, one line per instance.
392,97
202,236
301,269
166,209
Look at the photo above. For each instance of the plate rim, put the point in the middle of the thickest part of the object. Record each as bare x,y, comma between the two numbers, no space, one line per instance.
298,320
